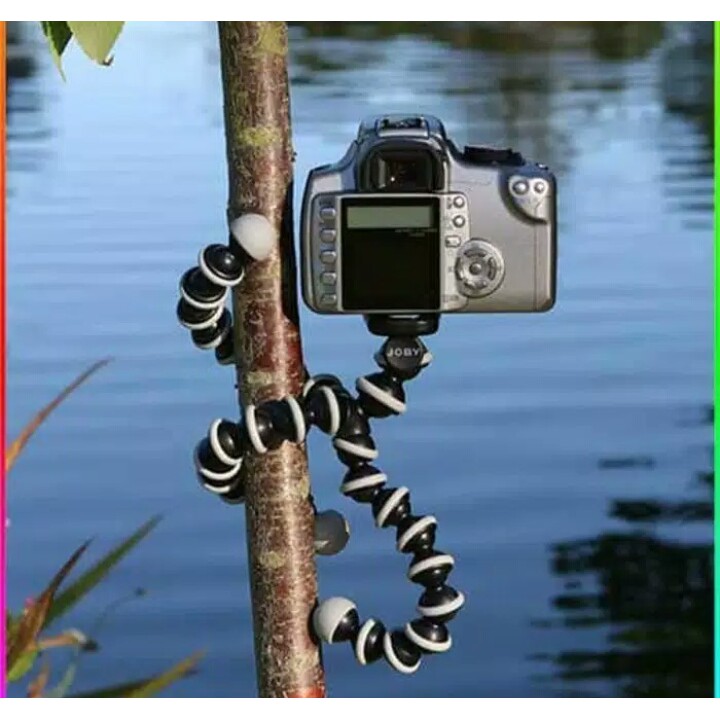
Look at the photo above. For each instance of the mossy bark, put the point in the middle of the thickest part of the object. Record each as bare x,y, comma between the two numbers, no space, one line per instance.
279,514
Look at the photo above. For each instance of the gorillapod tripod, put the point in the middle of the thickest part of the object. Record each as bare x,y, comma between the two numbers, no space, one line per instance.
325,403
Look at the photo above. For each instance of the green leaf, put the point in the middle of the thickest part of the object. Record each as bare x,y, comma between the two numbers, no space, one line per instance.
96,38
147,687
22,665
11,626
89,579
58,35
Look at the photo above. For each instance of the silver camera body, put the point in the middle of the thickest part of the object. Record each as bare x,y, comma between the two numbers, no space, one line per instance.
406,223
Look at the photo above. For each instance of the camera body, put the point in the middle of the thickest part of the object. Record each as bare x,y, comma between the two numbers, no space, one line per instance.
406,223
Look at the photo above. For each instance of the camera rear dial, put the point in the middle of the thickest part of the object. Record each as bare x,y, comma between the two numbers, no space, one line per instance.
479,268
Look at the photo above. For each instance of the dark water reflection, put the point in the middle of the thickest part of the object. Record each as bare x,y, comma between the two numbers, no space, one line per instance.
559,453
648,589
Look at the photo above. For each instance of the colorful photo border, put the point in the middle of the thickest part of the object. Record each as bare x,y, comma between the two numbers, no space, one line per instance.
3,352
716,389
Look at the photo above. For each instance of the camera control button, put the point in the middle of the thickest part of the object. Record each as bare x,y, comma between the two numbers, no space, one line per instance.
328,236
452,241
520,187
328,256
328,213
329,299
539,187
459,201
479,269
458,221
328,278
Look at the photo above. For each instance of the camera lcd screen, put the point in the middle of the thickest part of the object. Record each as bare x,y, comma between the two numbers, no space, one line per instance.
389,216
390,254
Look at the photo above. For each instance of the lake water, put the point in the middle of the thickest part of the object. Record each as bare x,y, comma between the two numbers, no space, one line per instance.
567,456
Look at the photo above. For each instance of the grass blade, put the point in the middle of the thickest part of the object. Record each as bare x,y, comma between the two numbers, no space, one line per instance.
68,677
38,685
89,579
33,618
69,638
16,447
11,626
148,687
66,681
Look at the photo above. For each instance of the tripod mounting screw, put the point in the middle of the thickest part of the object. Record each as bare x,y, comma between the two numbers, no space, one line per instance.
404,357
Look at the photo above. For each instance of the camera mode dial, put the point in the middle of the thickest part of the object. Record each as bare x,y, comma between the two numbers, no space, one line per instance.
479,268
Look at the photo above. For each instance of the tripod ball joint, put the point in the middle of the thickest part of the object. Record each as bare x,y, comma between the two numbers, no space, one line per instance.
199,292
286,419
416,534
227,441
355,450
235,494
391,506
381,395
369,642
441,603
316,381
332,532
210,338
353,420
221,266
194,318
429,636
225,351
400,652
274,422
214,474
363,483
431,568
336,620
321,408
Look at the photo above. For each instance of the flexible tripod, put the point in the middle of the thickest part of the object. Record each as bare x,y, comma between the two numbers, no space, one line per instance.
325,403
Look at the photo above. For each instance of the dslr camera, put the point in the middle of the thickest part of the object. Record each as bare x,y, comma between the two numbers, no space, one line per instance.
407,223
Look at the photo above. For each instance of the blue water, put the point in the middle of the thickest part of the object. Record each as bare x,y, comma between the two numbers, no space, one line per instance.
520,436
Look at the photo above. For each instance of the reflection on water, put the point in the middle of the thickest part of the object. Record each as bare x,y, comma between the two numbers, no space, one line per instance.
650,591
25,126
518,439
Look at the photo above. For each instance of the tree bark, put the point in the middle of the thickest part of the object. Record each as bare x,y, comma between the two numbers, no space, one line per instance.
280,526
